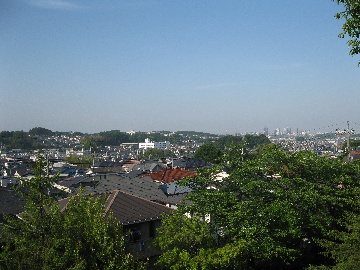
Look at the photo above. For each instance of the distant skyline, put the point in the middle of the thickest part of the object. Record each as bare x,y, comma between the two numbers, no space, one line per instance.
212,66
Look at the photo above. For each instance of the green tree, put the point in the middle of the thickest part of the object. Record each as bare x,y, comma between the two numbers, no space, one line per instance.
253,141
354,144
40,131
92,141
18,140
236,146
153,153
269,213
81,161
224,141
344,247
76,237
351,26
114,137
208,152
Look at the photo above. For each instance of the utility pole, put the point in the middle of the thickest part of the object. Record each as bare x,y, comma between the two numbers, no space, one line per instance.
348,140
350,131
47,165
347,131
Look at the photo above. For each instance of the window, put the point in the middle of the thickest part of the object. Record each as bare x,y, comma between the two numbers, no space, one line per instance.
134,235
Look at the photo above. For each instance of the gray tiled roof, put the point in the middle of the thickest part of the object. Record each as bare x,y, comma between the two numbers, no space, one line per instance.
10,203
129,209
189,163
148,166
143,187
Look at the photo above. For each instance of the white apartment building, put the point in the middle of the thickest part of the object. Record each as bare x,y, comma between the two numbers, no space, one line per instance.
149,144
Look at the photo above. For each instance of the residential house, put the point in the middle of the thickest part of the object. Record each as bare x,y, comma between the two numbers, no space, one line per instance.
171,175
144,187
189,164
149,167
139,217
11,203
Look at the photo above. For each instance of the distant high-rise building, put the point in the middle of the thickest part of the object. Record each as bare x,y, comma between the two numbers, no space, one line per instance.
266,131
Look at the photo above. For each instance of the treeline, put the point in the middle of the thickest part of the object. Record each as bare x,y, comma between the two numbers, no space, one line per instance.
33,139
36,138
19,140
29,140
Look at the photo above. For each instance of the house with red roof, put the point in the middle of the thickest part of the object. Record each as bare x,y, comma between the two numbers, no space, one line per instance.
171,175
354,155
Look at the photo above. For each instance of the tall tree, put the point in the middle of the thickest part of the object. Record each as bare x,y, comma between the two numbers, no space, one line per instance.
208,152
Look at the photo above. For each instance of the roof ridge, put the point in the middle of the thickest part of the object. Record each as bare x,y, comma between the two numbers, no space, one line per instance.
141,198
163,176
114,195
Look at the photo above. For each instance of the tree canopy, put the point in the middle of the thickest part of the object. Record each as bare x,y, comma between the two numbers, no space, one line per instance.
271,212
40,131
18,139
154,153
351,26
208,152
214,151
344,246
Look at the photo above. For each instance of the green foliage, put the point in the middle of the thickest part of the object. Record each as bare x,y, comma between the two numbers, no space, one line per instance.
155,137
92,141
117,137
80,161
154,154
344,246
351,26
114,137
236,146
18,140
77,237
208,152
224,141
355,144
40,131
36,138
253,141
269,213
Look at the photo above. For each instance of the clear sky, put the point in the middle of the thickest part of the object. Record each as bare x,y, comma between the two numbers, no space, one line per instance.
206,65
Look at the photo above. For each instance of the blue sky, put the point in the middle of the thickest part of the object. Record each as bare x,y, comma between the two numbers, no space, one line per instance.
212,66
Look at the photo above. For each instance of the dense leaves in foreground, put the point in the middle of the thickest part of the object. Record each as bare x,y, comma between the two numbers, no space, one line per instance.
351,26
275,210
77,237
